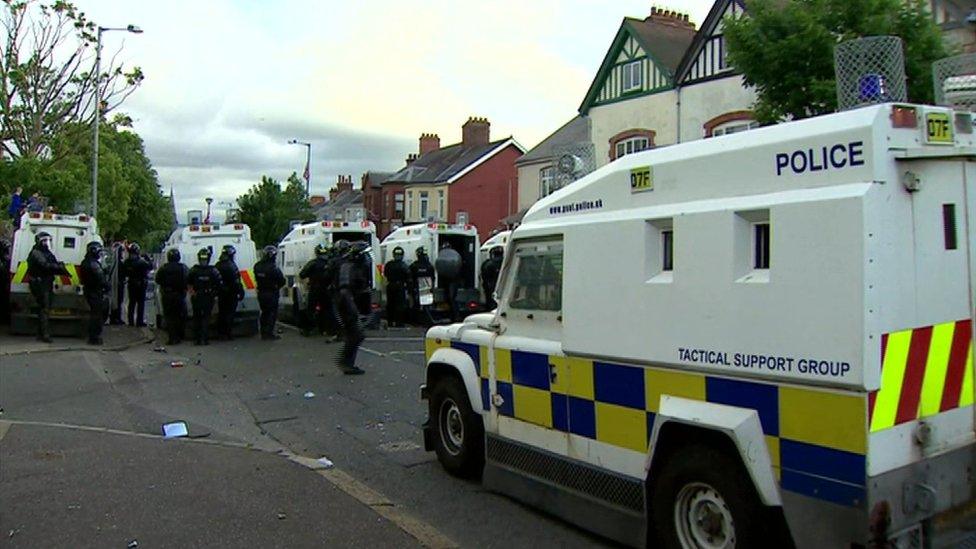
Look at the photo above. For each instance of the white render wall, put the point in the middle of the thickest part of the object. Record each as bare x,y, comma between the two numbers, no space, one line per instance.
528,183
703,102
655,112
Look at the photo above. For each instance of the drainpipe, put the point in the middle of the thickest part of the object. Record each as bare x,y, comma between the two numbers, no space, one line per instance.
678,124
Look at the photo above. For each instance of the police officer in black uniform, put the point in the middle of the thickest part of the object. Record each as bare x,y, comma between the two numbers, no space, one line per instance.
489,275
320,275
172,279
118,280
421,268
231,291
95,286
349,283
42,267
270,281
397,276
137,278
205,282
449,266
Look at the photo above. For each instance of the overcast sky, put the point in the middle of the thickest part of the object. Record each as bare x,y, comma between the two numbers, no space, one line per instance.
228,83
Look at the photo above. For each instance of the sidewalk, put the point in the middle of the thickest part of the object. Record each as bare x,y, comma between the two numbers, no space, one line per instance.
63,487
116,338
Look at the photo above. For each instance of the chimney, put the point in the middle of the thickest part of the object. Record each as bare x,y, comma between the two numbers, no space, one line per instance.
429,142
670,18
410,158
475,132
332,193
344,184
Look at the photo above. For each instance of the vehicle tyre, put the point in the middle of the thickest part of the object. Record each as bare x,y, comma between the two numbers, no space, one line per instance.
704,498
459,435
159,321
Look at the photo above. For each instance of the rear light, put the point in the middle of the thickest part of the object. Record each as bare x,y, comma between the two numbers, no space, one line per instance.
238,227
375,306
35,215
433,225
324,224
82,218
904,117
467,227
472,305
364,224
194,227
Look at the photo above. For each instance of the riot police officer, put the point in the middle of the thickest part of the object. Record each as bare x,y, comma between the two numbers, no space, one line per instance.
118,283
449,266
489,275
171,279
42,267
350,281
231,291
204,282
270,281
137,279
397,276
421,274
320,275
95,286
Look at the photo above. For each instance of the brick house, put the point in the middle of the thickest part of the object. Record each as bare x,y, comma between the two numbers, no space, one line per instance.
474,181
371,186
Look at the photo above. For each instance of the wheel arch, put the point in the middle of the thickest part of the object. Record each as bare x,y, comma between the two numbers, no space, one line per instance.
446,361
735,430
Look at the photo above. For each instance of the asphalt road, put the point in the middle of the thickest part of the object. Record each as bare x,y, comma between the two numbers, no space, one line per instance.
282,399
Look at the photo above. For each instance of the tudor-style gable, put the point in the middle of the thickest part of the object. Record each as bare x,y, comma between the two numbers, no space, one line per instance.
706,58
642,58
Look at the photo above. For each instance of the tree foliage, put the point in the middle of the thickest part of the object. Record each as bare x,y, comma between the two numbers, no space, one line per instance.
130,202
785,49
268,209
47,81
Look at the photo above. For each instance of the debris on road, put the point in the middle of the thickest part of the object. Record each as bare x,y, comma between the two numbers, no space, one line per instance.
132,544
282,516
159,349
326,462
175,430
176,364
309,394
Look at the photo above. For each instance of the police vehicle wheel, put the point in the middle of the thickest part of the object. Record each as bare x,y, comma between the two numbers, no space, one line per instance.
460,435
703,499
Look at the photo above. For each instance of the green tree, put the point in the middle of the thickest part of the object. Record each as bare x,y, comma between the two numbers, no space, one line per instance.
130,202
785,49
268,209
47,81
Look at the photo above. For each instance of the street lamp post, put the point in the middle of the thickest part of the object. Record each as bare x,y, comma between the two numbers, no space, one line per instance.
308,164
98,107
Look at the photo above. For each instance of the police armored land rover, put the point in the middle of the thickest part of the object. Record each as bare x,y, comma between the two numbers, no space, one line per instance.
778,347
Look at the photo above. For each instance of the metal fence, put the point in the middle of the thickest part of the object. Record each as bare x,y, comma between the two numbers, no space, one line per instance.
954,80
573,161
869,70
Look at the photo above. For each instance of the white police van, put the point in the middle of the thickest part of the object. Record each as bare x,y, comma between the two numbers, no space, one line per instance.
777,347
191,239
70,236
297,248
431,237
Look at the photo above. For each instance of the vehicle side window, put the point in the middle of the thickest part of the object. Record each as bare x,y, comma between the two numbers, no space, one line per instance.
538,282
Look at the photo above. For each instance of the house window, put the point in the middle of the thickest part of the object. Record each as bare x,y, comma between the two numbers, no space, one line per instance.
441,211
409,205
630,141
398,209
423,205
547,178
730,122
630,146
632,76
734,127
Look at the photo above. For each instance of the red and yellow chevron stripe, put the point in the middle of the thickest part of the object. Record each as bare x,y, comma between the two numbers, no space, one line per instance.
70,279
248,279
924,371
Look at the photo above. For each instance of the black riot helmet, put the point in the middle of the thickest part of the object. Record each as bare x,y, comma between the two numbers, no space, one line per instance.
398,252
43,238
270,252
342,247
203,256
134,249
322,250
421,252
358,248
229,251
173,255
497,252
94,248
